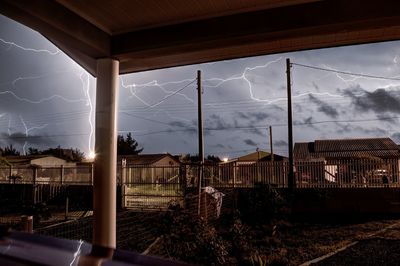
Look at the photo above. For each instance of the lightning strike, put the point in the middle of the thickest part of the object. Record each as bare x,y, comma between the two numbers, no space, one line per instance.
56,96
154,83
30,49
9,125
242,76
86,91
27,130
340,77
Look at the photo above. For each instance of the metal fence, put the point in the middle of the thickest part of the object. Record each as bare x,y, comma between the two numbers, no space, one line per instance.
170,182
146,187
47,175
357,173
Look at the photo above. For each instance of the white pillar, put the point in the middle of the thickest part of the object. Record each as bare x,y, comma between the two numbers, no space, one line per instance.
105,164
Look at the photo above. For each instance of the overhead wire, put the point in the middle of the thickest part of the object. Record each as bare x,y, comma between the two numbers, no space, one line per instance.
345,72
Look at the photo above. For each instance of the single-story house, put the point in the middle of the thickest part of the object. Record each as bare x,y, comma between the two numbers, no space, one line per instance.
46,167
148,168
255,167
347,160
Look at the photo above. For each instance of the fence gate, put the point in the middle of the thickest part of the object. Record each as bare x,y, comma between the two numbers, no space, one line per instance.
151,188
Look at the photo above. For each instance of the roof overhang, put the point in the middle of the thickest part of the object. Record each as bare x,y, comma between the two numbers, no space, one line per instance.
170,35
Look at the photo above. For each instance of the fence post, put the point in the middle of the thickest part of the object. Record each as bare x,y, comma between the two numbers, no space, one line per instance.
61,174
123,181
27,223
91,173
66,207
34,190
10,173
234,174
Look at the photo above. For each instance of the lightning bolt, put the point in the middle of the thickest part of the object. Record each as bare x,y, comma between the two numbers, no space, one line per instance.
9,125
354,78
154,83
52,97
242,76
86,91
30,49
85,80
27,130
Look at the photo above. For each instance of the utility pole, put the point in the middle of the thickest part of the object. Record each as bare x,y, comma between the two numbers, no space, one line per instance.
270,143
291,182
201,144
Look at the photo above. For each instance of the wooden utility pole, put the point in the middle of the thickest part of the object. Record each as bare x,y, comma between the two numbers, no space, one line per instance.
201,144
270,143
291,183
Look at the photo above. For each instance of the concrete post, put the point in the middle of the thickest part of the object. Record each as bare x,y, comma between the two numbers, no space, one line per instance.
34,187
123,182
104,182
61,174
27,223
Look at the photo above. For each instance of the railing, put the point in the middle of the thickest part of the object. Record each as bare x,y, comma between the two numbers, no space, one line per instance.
62,175
170,181
357,173
151,187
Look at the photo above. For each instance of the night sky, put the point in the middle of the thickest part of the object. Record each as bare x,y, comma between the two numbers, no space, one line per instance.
46,99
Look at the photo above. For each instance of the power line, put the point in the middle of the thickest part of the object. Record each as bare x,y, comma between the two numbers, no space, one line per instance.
172,94
345,72
295,124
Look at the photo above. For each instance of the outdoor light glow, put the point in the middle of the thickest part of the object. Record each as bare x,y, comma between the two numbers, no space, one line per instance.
91,155
225,159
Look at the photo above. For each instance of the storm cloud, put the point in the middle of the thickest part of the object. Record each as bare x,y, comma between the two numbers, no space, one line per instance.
324,107
378,101
250,142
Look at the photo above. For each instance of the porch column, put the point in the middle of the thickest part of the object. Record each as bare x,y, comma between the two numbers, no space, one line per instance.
105,163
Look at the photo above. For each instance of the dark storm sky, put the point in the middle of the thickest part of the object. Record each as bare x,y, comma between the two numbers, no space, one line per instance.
46,99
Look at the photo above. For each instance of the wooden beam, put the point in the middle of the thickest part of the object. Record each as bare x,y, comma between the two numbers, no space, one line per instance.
307,26
59,24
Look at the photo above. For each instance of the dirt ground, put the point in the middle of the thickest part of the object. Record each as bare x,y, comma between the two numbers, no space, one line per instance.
299,243
380,249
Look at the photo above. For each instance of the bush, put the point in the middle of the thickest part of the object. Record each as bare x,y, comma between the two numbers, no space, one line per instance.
262,205
189,238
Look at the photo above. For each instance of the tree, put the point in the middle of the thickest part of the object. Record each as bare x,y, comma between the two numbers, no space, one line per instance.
33,151
9,151
213,158
74,155
128,145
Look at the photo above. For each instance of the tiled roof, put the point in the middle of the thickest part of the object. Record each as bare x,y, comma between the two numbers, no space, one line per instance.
347,148
354,145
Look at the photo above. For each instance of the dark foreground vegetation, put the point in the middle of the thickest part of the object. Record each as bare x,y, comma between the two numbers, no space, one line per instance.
256,227
261,230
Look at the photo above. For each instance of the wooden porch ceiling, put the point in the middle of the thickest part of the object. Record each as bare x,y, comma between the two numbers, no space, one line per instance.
152,34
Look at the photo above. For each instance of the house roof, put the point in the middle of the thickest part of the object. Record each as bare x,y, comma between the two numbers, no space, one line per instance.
346,148
254,156
276,158
26,159
145,159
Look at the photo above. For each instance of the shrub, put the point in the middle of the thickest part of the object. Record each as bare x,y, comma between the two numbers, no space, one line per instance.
189,238
262,205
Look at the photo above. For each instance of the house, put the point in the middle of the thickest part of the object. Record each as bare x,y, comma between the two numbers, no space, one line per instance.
148,168
347,160
255,167
44,168
37,160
